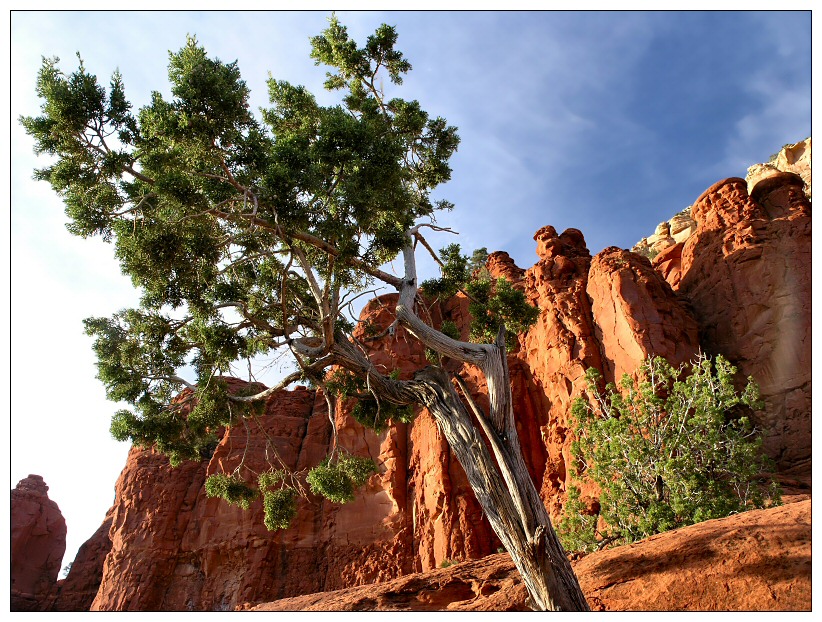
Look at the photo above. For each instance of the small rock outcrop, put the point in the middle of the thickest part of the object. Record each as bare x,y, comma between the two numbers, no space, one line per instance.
795,158
754,561
38,543
667,234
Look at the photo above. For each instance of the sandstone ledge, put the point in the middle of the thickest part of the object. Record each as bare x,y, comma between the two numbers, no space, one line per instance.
755,561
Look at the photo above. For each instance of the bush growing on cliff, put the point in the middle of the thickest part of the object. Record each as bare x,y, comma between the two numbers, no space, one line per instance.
666,451
337,479
491,301
231,488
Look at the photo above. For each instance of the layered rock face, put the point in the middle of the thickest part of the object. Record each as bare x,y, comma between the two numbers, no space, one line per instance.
173,548
38,543
746,272
609,312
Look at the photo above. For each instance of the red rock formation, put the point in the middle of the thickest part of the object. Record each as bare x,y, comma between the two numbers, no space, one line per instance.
433,508
637,314
610,313
669,264
754,561
77,591
747,274
175,549
558,349
500,264
38,543
172,548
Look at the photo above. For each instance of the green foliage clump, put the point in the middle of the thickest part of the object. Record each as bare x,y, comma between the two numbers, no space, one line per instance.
367,411
279,508
455,273
478,260
356,468
232,489
666,452
337,480
279,500
344,384
269,479
577,529
378,414
450,329
494,303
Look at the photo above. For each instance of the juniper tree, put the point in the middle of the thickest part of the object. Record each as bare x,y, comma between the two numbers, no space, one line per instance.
672,448
250,236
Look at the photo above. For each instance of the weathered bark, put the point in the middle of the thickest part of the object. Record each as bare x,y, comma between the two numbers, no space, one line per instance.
503,486
500,482
516,513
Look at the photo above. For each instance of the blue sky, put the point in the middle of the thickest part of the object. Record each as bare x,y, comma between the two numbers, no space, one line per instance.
606,122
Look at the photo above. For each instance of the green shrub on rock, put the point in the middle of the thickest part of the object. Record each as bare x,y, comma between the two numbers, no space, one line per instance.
336,480
667,450
231,488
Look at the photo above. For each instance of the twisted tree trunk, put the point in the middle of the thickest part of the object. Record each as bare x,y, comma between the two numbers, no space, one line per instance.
503,486
508,498
499,477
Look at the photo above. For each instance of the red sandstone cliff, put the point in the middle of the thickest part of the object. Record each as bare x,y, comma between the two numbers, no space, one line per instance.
38,542
741,287
747,275
179,550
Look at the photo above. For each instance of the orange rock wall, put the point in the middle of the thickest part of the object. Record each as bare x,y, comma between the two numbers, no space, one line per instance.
746,273
609,312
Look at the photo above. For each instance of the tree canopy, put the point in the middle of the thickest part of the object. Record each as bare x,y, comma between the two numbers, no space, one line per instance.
243,236
251,236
